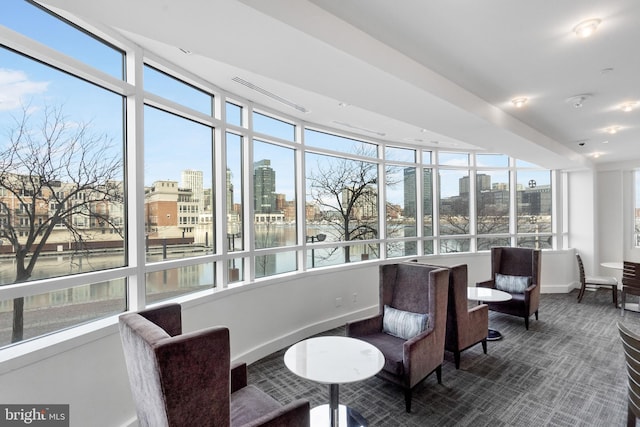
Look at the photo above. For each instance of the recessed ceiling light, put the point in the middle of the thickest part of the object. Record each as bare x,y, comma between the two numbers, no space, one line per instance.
185,51
343,104
612,129
628,106
596,155
605,142
586,28
519,102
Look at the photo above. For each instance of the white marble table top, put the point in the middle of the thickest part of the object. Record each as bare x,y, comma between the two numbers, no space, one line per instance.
487,294
334,359
616,265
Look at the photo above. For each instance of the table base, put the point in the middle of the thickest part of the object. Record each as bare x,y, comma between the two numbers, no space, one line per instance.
494,335
348,417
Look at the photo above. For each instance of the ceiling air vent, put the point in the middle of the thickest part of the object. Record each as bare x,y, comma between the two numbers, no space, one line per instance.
270,94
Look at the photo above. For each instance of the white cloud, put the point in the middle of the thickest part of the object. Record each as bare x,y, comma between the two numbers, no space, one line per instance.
14,86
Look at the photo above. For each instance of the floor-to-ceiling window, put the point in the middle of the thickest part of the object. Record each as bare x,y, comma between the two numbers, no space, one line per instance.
228,192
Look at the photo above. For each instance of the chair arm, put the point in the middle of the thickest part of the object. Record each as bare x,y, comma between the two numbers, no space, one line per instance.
479,315
486,284
420,356
363,327
238,376
294,414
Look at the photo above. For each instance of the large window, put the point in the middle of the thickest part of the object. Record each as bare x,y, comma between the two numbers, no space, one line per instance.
222,187
636,208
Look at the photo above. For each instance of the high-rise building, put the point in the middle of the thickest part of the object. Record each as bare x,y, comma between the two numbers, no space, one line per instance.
194,180
409,192
264,187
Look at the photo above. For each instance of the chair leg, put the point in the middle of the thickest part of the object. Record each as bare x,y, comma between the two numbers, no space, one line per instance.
631,416
439,374
456,358
407,399
614,291
484,346
526,322
623,297
581,293
536,314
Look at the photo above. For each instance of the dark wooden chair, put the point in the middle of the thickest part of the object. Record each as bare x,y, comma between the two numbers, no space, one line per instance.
630,282
631,346
596,282
414,288
518,262
187,379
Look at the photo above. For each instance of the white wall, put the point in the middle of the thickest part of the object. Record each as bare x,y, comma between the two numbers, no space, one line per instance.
582,217
88,371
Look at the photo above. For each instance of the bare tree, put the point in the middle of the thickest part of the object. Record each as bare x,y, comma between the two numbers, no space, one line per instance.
346,191
54,174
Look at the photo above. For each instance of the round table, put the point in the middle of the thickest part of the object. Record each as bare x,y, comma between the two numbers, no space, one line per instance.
481,295
334,360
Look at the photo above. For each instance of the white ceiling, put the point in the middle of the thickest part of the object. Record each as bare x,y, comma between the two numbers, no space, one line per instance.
431,73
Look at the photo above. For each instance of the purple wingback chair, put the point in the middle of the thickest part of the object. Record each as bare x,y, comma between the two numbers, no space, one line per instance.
187,380
415,288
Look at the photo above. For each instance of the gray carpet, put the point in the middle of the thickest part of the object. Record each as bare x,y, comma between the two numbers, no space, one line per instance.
566,370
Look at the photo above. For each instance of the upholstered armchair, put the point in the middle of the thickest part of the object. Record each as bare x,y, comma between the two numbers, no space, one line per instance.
187,380
410,326
516,271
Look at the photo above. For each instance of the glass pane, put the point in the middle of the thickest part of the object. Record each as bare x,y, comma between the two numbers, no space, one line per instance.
178,195
427,157
34,22
535,242
75,209
328,141
492,160
400,249
534,201
427,201
486,243
343,195
170,283
448,246
399,154
235,197
453,159
57,310
235,268
454,202
492,199
274,127
278,263
428,247
234,114
177,91
274,195
401,202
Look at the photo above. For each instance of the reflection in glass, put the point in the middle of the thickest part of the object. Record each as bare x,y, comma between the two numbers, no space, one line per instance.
277,263
56,310
169,283
486,243
178,195
235,269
